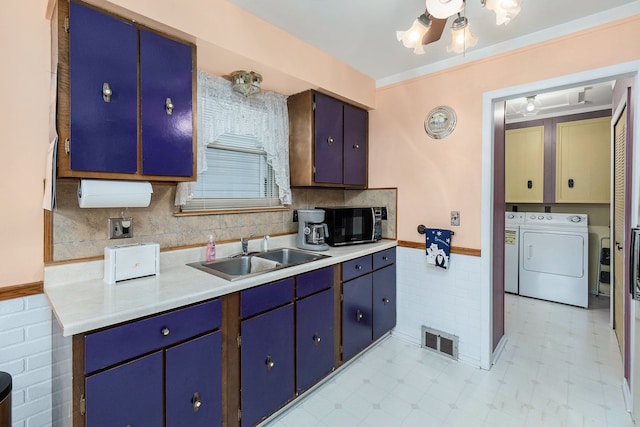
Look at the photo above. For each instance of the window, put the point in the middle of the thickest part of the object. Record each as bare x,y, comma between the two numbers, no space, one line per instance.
238,176
242,149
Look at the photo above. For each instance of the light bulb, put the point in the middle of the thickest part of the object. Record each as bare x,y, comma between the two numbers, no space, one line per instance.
412,38
461,36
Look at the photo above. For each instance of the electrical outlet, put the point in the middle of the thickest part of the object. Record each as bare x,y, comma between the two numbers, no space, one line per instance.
295,216
383,214
455,217
120,228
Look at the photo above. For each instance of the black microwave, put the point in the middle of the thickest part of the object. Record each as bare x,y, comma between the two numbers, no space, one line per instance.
352,225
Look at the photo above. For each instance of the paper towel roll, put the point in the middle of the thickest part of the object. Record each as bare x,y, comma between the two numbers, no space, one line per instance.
99,193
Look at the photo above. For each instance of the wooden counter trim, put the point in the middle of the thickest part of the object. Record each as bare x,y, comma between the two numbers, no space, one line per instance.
19,291
454,249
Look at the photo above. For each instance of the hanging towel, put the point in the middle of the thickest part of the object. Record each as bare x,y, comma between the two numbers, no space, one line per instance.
438,243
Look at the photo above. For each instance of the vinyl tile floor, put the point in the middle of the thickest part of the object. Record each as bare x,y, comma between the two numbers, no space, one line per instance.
560,367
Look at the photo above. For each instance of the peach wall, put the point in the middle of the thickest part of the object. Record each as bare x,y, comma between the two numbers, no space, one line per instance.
435,177
24,85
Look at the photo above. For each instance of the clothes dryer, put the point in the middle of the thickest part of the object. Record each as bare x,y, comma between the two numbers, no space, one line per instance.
554,254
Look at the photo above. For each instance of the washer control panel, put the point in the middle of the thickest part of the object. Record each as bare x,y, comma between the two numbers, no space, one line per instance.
556,219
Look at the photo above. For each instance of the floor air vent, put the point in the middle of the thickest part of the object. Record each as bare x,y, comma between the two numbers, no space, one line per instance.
440,342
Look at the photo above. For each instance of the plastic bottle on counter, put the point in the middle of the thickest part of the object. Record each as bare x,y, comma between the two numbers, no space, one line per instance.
211,249
265,243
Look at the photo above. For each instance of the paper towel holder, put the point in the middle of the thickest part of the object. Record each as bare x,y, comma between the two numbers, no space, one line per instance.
101,193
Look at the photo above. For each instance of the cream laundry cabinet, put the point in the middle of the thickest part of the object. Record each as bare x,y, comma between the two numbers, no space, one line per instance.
524,165
583,157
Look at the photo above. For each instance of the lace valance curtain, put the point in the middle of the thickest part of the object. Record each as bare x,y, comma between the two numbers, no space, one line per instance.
221,110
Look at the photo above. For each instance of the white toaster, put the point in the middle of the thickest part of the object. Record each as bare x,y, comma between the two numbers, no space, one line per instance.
123,262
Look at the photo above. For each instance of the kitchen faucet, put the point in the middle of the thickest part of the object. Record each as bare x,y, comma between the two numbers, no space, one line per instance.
245,244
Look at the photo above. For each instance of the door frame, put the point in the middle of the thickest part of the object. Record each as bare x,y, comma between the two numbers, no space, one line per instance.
627,69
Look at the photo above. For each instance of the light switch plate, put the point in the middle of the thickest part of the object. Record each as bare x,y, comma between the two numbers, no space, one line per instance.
455,217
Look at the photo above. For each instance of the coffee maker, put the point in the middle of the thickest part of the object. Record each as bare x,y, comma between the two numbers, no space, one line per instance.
312,230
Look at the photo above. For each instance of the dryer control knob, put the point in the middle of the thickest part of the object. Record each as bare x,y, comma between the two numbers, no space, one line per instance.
540,216
576,218
548,216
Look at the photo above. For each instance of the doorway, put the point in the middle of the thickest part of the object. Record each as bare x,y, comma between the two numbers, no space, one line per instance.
489,233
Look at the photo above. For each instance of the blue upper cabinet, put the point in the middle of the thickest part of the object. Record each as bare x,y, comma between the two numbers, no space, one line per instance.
165,88
103,57
125,99
328,142
329,124
355,146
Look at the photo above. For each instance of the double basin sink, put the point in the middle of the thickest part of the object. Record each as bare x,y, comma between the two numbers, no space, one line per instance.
241,266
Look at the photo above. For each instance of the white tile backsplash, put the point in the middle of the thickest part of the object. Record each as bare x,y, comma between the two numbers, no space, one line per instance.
448,300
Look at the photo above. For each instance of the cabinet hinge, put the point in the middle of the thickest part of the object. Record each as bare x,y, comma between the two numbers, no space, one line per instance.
66,24
239,414
83,405
239,339
67,146
341,297
314,105
314,169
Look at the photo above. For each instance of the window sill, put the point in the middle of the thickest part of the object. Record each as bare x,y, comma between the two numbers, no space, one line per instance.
233,211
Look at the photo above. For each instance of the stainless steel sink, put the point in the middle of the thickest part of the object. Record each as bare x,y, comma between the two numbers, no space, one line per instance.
235,268
290,256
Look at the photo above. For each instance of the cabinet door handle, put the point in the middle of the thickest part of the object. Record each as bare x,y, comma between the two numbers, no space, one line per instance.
195,400
385,258
106,92
316,338
165,331
330,140
385,301
359,315
358,267
168,105
356,146
270,363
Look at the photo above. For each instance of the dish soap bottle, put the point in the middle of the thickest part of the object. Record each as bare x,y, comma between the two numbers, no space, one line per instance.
265,244
211,249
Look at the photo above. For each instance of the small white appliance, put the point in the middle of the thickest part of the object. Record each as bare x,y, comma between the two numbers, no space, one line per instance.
512,223
124,262
554,257
312,230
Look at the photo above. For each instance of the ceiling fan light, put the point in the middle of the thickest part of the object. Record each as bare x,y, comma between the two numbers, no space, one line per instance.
461,36
412,38
505,10
443,9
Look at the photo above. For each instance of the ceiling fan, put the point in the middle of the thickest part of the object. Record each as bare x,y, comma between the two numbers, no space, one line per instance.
429,26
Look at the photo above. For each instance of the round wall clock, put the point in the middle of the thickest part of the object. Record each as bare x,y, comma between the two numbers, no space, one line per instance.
440,122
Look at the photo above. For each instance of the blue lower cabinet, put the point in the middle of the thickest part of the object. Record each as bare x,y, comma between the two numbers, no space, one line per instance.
384,300
129,394
356,315
266,364
314,339
194,382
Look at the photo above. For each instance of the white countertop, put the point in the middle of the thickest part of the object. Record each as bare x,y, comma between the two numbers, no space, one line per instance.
82,301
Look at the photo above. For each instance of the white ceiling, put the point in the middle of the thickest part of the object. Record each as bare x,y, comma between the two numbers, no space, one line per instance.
362,34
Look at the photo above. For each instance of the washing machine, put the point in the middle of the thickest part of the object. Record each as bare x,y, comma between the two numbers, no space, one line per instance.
554,255
512,223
